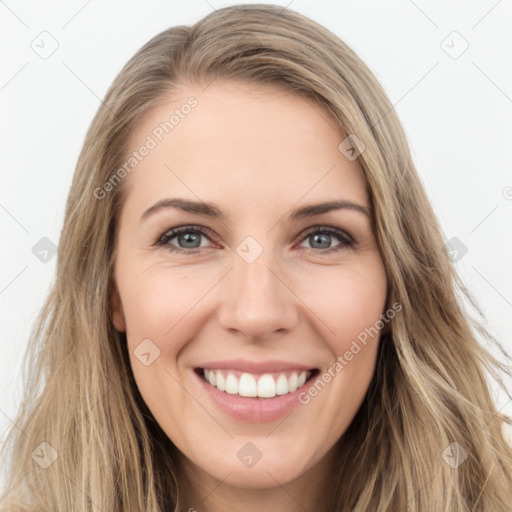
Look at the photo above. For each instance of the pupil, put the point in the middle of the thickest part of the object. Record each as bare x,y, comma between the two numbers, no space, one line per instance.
190,238
322,238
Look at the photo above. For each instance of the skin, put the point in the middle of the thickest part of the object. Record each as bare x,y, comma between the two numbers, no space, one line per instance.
258,153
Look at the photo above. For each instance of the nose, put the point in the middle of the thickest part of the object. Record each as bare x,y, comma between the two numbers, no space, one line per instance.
258,302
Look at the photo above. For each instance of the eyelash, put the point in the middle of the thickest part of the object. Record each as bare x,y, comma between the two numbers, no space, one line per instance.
345,240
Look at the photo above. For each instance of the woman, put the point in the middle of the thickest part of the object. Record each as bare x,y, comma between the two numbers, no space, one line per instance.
199,351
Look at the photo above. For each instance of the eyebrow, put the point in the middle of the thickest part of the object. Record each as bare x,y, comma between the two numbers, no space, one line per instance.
214,212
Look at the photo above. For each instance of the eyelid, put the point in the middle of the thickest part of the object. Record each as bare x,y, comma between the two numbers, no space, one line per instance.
330,229
171,233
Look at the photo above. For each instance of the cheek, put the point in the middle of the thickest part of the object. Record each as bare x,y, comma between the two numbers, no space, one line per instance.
157,302
348,307
160,305
347,303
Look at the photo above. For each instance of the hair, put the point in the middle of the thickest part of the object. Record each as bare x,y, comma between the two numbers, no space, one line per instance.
431,385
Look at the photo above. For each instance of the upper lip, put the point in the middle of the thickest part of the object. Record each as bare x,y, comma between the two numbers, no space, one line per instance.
256,367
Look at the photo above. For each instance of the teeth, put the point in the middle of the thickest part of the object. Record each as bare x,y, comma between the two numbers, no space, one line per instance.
221,381
231,384
293,382
247,385
266,386
282,385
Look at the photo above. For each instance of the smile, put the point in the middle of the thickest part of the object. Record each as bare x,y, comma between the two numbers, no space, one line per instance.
266,385
253,391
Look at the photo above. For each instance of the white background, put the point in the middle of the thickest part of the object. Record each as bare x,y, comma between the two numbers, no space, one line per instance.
457,115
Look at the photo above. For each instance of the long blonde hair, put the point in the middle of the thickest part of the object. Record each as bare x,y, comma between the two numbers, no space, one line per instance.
102,447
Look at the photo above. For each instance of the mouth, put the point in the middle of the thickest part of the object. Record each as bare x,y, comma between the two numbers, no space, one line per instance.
256,385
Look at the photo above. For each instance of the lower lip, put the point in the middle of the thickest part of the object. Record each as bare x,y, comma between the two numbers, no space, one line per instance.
255,409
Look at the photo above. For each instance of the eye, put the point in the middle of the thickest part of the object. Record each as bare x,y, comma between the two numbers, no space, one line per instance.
189,239
321,237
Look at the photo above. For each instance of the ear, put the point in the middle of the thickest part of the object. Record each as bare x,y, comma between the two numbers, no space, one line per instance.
117,310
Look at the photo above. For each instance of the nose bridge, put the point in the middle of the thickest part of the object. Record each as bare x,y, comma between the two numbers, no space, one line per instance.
258,302
256,282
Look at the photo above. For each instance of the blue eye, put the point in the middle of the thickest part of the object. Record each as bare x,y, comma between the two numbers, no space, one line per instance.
189,239
324,235
188,235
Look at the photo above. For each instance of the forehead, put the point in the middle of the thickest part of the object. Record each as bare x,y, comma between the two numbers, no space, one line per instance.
242,143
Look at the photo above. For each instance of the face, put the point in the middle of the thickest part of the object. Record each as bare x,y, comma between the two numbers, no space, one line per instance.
254,293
